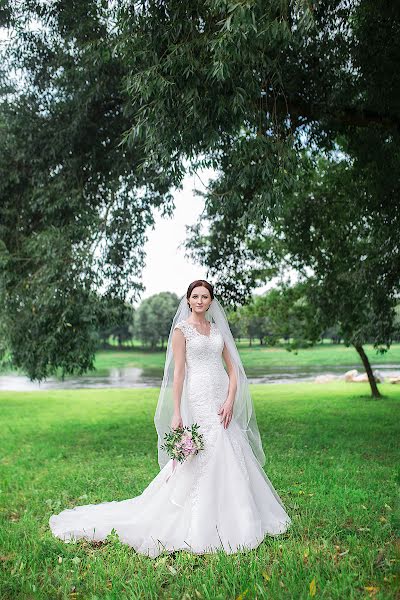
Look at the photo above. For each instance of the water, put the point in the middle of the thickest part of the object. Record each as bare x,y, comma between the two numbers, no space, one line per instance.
296,374
131,377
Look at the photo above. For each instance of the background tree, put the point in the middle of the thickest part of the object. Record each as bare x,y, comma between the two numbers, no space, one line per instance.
251,324
328,232
153,318
332,334
275,80
289,315
241,87
75,207
122,331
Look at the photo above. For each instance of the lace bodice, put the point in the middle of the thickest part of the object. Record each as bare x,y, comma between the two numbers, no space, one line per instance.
206,378
202,350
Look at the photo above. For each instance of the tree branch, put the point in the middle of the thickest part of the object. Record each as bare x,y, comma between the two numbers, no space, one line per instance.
347,115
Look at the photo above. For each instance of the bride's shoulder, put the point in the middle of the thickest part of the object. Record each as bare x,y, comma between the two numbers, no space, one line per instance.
182,325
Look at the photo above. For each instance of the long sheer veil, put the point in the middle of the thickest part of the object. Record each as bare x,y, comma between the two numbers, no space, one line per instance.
243,410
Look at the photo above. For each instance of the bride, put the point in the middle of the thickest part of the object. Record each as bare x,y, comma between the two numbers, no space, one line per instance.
218,499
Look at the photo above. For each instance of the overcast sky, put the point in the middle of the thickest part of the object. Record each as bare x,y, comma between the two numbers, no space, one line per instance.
166,267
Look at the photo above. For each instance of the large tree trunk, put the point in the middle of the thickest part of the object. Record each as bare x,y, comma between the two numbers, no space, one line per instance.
374,388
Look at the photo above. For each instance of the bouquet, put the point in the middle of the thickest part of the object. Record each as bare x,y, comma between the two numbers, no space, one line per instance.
183,442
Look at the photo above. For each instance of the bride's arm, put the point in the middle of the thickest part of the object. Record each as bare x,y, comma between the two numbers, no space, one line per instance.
226,409
231,373
178,349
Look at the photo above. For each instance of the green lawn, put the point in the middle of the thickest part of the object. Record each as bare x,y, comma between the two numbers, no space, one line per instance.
258,359
332,454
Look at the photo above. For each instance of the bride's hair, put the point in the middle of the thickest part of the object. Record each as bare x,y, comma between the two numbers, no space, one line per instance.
198,283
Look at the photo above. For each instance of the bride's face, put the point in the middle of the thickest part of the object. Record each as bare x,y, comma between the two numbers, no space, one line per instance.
200,299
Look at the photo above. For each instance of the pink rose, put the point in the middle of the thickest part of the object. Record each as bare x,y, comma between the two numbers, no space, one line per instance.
188,446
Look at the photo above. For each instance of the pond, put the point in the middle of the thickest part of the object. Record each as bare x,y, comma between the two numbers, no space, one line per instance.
131,377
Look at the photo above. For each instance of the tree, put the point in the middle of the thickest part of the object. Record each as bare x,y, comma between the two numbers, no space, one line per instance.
75,207
332,333
356,270
242,87
153,318
289,315
121,331
273,79
330,231
251,323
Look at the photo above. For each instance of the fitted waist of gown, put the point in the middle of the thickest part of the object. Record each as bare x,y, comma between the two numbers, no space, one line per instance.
205,364
211,375
207,390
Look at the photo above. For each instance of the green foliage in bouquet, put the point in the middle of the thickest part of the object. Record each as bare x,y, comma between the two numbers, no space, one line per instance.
183,442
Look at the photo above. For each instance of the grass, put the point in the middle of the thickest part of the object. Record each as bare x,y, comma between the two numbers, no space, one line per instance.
332,455
321,355
258,359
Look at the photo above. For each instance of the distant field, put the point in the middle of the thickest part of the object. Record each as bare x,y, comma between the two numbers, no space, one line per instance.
332,455
258,358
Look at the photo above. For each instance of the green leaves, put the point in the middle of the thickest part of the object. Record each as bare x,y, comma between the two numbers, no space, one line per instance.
75,204
153,318
117,101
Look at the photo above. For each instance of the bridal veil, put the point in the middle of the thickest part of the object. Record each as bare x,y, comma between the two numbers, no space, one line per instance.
243,409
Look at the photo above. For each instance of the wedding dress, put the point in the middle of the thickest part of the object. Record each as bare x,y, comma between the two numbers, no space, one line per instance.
218,499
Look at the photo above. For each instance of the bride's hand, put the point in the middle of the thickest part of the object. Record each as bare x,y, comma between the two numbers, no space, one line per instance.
226,411
176,422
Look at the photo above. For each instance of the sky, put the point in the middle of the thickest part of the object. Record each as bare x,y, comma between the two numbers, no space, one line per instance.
167,269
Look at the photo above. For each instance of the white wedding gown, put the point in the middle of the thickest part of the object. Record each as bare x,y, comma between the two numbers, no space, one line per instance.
219,499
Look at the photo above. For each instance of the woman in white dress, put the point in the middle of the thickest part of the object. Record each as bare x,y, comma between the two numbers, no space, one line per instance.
218,499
